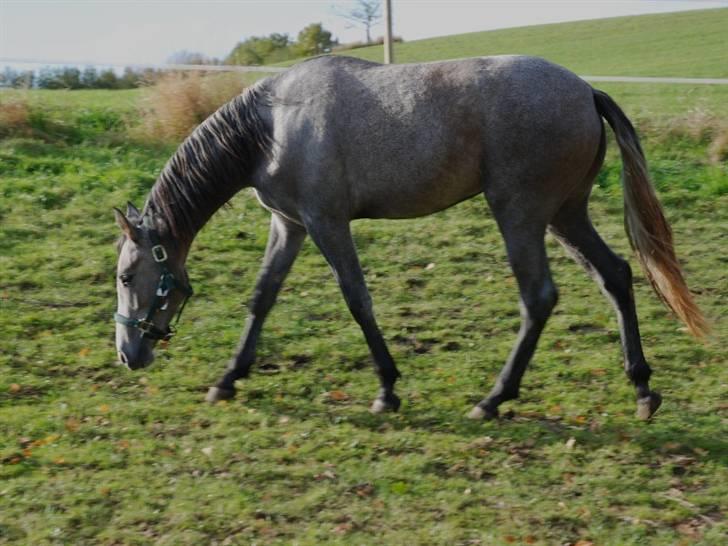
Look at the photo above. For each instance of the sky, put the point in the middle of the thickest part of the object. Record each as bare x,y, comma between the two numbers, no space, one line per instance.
150,31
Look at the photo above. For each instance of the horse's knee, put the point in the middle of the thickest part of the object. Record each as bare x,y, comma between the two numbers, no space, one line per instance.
538,306
360,306
619,282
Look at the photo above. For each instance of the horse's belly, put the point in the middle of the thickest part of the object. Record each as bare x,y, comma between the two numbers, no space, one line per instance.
410,199
421,181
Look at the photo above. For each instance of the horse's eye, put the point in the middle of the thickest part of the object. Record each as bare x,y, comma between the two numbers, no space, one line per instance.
126,279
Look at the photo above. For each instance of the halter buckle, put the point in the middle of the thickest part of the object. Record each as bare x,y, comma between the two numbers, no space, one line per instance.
159,253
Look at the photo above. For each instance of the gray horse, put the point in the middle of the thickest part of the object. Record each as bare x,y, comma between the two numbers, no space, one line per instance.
335,139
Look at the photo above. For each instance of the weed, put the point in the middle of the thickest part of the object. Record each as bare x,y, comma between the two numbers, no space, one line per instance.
14,116
174,105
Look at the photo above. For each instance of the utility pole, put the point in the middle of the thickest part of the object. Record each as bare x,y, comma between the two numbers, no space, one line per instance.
388,53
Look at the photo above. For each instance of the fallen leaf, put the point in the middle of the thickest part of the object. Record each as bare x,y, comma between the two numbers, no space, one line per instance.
207,450
325,475
343,528
570,443
104,408
364,490
84,352
339,396
72,424
15,388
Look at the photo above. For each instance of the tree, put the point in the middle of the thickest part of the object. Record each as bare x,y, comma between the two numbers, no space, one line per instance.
130,79
314,40
89,77
107,79
48,78
70,77
365,13
261,50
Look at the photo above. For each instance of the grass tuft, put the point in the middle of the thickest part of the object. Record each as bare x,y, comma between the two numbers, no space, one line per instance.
14,116
173,106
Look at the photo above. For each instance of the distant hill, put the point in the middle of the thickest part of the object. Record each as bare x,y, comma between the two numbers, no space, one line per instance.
685,44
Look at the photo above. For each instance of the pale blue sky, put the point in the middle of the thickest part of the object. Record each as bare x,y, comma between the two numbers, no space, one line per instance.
133,31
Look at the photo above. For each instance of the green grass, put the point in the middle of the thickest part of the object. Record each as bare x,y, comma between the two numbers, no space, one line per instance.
94,454
687,44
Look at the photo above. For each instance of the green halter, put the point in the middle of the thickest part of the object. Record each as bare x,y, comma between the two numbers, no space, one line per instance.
167,282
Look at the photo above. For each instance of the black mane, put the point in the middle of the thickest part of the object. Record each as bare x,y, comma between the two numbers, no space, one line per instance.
211,165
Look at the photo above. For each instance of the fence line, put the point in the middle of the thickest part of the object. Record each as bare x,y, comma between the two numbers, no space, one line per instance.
644,79
142,66
275,69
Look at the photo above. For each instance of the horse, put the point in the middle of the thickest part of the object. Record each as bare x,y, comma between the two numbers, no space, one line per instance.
335,139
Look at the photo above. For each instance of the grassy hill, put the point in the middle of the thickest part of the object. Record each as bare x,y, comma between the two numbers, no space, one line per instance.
686,44
95,455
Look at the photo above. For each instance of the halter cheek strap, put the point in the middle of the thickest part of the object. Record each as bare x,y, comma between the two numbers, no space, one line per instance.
167,283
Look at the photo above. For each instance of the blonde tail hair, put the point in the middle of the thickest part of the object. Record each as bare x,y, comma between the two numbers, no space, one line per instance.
647,229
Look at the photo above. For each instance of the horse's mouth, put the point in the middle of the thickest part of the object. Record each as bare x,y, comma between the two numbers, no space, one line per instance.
137,363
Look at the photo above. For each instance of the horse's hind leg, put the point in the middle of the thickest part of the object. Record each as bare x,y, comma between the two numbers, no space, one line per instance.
334,240
284,243
613,274
527,254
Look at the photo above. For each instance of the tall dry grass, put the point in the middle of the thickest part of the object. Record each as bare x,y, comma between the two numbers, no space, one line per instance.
176,103
14,116
696,125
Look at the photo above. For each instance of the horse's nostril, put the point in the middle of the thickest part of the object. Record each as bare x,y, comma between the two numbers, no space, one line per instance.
122,357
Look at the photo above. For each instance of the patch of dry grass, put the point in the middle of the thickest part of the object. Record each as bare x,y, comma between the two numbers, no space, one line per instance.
174,105
697,125
14,115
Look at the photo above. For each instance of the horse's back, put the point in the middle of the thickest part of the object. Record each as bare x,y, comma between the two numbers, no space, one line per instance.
408,140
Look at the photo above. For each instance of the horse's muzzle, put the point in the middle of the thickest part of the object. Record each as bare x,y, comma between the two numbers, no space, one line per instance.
135,360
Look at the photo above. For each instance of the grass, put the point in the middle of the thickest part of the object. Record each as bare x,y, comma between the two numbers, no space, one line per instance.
687,44
93,454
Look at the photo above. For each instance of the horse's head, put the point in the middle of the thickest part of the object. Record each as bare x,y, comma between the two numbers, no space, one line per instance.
151,285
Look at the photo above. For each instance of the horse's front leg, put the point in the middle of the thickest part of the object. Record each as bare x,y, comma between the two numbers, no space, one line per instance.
284,243
334,240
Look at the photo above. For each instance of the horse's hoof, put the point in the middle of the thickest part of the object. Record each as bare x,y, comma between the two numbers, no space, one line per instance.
480,414
647,406
385,403
215,394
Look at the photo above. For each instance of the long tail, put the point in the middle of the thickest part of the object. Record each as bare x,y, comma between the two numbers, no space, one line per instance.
647,229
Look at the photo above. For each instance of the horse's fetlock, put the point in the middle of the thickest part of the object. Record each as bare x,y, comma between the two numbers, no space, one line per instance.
639,373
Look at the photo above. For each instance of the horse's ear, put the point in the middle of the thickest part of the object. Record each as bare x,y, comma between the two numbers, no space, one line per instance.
126,226
132,213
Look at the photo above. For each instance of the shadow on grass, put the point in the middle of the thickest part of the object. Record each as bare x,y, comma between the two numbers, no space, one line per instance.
666,435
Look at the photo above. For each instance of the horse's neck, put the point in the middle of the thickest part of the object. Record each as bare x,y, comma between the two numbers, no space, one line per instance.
210,167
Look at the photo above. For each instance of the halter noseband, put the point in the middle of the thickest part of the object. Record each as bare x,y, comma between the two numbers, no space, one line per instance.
167,282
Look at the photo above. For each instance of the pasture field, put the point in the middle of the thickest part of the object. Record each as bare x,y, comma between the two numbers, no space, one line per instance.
687,44
91,453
